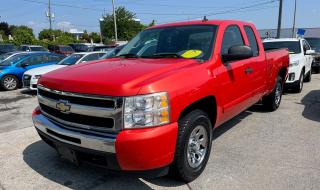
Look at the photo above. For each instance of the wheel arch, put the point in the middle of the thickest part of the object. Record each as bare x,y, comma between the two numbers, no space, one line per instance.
207,104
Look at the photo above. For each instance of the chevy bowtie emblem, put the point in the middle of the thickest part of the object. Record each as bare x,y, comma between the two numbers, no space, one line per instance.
63,106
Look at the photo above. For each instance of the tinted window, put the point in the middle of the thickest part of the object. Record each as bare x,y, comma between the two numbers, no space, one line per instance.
35,60
38,48
55,58
252,40
172,40
293,46
66,49
232,37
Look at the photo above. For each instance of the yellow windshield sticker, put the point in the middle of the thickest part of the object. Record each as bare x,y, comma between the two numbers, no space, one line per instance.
189,54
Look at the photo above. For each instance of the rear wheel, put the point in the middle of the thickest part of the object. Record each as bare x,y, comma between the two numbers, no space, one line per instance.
193,146
273,100
299,86
9,82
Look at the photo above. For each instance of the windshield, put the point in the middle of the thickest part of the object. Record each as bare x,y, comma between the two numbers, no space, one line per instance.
293,46
71,60
314,43
172,41
5,56
13,59
37,48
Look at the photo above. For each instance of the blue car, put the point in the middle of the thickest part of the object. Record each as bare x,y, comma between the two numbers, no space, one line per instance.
12,69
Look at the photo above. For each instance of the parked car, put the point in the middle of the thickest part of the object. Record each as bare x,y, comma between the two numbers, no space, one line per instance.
6,48
61,49
8,55
315,45
103,48
156,111
113,52
30,78
300,60
80,47
31,48
12,69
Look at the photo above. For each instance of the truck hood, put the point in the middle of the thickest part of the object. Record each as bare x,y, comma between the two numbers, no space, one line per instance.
113,77
43,70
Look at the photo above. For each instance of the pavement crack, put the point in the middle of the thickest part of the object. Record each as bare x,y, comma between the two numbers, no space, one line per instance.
188,185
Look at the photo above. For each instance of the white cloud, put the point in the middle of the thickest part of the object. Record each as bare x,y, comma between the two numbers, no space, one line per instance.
65,25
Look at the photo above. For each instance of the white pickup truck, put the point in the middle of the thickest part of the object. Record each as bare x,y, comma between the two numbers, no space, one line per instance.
300,60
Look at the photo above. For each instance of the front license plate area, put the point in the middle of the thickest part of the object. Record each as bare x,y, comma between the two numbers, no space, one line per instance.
68,154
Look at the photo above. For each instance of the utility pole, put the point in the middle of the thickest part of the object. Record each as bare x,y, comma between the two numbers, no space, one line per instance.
294,18
115,22
50,14
279,19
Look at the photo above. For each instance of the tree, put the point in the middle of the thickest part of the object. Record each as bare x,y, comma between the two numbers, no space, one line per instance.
5,28
127,26
95,37
22,35
49,34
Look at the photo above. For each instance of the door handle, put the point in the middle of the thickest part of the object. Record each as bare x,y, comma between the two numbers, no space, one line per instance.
248,70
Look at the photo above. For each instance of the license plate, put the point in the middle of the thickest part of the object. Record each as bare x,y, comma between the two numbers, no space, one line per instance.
68,154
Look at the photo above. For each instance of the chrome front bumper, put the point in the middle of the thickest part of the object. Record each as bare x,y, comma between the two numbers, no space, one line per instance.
99,143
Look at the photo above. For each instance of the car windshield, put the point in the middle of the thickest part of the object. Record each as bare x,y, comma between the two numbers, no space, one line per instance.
314,43
71,60
13,59
293,46
171,42
5,56
37,48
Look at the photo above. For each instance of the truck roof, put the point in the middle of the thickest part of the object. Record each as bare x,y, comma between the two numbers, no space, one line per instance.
282,40
199,22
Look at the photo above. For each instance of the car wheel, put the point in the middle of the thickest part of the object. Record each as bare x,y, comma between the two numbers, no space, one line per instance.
308,78
273,100
299,86
9,82
193,146
317,70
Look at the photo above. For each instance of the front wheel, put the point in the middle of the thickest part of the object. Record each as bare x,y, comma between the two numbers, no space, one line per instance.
193,146
9,82
299,86
273,100
308,78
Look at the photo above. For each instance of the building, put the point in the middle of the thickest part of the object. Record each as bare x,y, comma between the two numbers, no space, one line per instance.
287,32
76,33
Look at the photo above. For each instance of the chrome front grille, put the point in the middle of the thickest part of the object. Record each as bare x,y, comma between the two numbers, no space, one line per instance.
81,111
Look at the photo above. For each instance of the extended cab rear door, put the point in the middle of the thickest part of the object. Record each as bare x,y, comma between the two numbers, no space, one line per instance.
257,64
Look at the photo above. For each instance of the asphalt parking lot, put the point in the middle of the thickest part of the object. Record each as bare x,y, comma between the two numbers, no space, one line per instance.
255,150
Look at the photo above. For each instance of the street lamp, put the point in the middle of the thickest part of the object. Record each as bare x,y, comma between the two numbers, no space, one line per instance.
100,21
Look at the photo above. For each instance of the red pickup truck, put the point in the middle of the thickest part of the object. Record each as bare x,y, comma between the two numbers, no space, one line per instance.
153,107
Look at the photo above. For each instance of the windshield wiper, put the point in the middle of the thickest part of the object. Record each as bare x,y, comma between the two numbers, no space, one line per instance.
164,55
128,55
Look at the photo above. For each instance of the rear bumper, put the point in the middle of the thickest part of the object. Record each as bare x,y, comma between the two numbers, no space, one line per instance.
129,150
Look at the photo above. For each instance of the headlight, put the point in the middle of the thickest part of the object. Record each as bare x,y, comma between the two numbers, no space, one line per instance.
37,76
146,110
293,63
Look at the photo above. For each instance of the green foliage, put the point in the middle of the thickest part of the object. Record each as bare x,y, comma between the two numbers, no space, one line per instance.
95,37
4,28
22,35
127,26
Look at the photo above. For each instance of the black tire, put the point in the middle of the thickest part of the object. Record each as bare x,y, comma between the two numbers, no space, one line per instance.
14,82
181,168
317,70
308,78
273,100
299,86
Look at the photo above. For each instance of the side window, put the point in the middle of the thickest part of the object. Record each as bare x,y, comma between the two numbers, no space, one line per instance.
34,60
252,40
54,58
232,37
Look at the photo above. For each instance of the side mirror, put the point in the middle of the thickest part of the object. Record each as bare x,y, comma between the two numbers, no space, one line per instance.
238,53
310,52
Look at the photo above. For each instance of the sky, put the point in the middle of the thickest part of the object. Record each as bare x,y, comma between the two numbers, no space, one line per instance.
84,14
